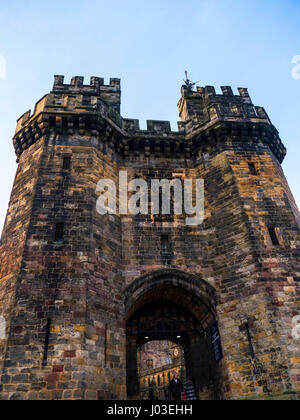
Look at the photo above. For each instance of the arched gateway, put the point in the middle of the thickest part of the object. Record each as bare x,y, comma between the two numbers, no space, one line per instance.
179,307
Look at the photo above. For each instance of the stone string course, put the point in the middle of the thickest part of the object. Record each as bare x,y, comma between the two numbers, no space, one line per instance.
80,285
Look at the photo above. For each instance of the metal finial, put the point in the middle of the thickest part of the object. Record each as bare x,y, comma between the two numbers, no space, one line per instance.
188,83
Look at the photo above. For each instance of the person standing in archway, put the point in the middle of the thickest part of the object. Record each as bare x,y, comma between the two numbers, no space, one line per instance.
152,391
176,388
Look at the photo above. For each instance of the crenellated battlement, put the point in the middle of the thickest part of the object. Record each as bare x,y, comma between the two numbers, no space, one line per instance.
76,97
210,91
95,109
111,93
77,83
205,105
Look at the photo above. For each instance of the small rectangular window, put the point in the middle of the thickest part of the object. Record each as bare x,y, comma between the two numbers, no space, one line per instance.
67,163
59,232
165,245
52,122
253,169
75,122
166,250
65,122
273,236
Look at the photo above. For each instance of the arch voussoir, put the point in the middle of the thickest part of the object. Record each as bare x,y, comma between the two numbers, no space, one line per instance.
186,288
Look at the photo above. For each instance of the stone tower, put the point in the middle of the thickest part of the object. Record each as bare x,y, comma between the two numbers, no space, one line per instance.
81,292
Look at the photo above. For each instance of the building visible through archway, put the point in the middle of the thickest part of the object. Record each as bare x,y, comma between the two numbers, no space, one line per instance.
158,361
166,311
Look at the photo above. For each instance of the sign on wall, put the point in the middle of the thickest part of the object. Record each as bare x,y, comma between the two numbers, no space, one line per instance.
216,342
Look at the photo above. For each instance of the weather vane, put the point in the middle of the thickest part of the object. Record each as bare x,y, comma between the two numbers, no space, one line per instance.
189,84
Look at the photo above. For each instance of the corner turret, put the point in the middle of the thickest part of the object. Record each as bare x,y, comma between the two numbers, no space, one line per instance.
203,109
110,94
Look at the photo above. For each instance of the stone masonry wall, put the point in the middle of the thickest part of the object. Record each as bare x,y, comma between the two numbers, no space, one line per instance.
63,299
267,201
14,235
225,251
71,283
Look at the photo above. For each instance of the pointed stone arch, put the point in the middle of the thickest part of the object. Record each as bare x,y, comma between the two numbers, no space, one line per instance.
185,288
158,296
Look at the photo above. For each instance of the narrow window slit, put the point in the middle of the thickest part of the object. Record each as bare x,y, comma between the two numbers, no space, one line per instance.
67,163
65,122
273,236
52,122
165,245
75,122
59,232
166,252
46,344
106,345
253,169
88,123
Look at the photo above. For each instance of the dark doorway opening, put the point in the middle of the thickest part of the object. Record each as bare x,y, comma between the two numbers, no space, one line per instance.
166,319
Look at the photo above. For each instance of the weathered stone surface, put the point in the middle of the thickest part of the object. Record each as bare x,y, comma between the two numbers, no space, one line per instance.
84,288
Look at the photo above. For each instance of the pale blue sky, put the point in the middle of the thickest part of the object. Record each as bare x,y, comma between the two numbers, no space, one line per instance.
149,44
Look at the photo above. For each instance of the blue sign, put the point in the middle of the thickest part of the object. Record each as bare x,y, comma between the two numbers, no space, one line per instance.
216,342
